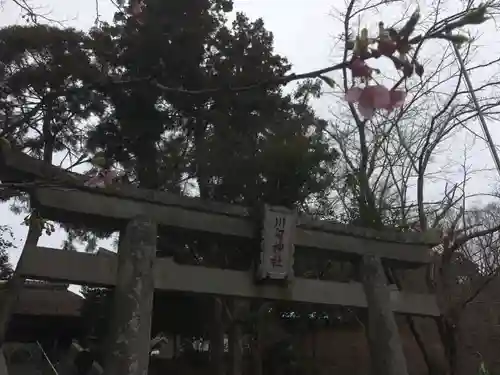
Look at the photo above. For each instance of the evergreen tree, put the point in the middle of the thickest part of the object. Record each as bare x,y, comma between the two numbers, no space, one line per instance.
244,147
6,244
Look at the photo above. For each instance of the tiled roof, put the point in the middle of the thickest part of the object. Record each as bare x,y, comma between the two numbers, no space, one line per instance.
47,299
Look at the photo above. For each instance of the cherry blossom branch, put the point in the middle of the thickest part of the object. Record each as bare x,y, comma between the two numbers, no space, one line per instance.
283,80
437,31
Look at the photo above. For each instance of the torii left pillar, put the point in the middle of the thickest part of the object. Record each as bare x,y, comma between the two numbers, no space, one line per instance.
130,330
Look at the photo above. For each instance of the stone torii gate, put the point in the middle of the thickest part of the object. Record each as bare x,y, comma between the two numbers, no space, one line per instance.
135,272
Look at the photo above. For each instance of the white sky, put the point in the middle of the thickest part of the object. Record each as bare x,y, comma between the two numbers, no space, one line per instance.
305,33
292,33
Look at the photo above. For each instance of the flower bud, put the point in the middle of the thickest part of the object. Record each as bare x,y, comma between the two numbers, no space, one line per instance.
359,68
387,47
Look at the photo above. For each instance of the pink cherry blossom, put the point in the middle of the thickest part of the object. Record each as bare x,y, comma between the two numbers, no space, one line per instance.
102,179
397,99
376,96
94,181
373,97
360,69
108,176
369,98
352,95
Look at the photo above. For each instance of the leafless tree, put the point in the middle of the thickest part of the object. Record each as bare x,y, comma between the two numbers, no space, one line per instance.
33,11
406,168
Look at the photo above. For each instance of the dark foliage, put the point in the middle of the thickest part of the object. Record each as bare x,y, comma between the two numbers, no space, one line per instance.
245,147
6,245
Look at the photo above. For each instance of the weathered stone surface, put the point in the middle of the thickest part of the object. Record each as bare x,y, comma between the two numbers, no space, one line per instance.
128,342
95,209
386,349
16,166
3,365
101,270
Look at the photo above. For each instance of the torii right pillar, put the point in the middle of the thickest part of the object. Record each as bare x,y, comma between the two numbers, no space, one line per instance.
386,349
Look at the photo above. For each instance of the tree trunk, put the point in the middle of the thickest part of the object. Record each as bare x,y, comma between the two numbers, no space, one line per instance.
3,364
147,165
129,339
314,343
448,335
386,349
16,282
236,340
236,347
257,343
256,354
175,349
217,338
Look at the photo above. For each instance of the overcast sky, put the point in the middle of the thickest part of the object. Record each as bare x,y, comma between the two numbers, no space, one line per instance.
305,33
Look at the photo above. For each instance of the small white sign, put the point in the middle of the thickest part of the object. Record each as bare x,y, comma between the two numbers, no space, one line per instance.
277,246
